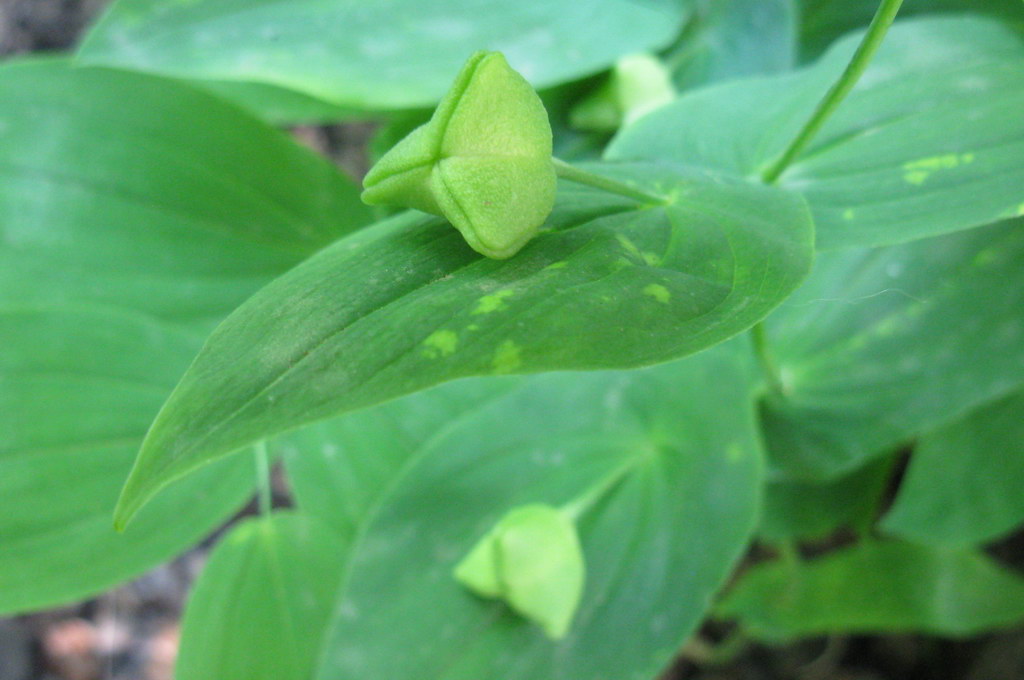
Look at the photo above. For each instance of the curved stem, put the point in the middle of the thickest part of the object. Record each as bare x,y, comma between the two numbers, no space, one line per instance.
574,174
854,70
765,358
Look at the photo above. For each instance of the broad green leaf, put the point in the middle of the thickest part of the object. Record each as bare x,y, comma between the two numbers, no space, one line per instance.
260,606
340,468
882,345
822,21
657,544
727,39
796,510
78,388
406,304
877,587
930,141
145,194
389,55
964,485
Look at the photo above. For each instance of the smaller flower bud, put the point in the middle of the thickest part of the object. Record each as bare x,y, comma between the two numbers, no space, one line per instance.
531,559
483,160
638,84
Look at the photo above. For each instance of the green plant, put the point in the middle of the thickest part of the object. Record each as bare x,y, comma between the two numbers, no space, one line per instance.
736,316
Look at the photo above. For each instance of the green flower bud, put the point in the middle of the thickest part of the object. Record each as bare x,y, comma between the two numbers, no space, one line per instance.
483,160
532,560
638,84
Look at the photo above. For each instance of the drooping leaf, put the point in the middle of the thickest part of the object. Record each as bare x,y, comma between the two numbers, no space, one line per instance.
964,482
78,388
797,510
878,587
375,56
657,543
929,142
882,345
261,604
405,305
142,193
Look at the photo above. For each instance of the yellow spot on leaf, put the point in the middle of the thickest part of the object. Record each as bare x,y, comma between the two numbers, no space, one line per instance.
628,245
658,292
557,265
506,358
493,302
440,343
917,172
848,214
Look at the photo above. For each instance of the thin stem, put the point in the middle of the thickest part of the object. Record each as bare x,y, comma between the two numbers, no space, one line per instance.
574,174
579,505
264,494
765,358
826,107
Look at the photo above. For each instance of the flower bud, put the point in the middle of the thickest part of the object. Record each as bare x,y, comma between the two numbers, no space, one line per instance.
483,160
532,560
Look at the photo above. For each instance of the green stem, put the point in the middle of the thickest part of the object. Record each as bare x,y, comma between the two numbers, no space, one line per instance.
574,174
576,507
854,70
264,494
765,358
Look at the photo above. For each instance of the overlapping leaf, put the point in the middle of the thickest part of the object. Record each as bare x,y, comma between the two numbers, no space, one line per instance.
657,544
930,141
797,510
406,304
882,345
78,388
145,194
964,483
728,39
389,55
260,607
878,587
134,212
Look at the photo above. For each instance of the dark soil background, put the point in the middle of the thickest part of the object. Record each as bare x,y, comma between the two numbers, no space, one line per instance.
131,633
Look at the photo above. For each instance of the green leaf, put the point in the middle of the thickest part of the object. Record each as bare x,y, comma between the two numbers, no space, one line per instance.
78,388
929,142
658,543
374,56
127,202
405,305
728,39
822,21
340,468
964,482
796,510
882,345
877,587
142,193
261,604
